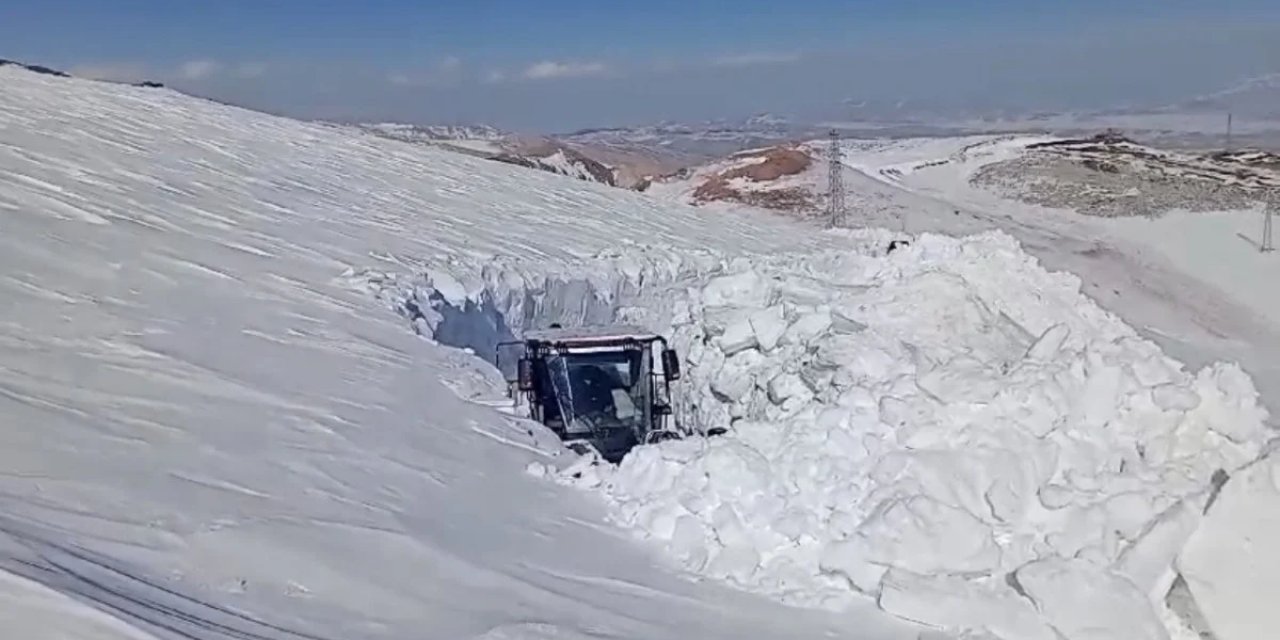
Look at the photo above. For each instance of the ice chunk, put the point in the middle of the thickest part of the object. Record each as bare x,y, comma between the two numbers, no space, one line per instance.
736,563
746,289
1047,346
807,327
806,291
924,536
787,387
736,377
841,322
449,287
1148,561
1174,397
768,326
848,561
1087,602
737,337
991,609
1231,563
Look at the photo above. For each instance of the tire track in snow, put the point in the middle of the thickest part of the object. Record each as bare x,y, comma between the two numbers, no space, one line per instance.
113,588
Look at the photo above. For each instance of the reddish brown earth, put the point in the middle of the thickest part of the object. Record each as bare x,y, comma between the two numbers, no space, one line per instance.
766,166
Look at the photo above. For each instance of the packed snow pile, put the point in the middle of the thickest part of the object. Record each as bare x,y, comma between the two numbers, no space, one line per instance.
948,429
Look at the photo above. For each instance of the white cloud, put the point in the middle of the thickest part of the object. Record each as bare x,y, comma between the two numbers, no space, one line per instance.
547,70
198,69
114,71
494,76
755,58
444,72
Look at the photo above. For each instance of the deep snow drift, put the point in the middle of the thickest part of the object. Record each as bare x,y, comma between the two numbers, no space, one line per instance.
213,430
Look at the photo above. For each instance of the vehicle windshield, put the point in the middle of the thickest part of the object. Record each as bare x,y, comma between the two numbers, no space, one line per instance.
602,390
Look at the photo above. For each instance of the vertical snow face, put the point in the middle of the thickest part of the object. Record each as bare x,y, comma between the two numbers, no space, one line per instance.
476,305
948,429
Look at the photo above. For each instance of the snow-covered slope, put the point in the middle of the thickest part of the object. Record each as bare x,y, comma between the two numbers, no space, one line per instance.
216,425
210,432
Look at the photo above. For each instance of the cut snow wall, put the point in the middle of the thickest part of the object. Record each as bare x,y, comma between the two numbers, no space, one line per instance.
480,325
476,307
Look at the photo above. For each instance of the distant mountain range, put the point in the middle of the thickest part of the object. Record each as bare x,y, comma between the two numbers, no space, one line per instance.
421,133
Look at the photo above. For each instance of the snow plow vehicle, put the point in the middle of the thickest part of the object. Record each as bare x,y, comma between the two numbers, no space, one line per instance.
602,390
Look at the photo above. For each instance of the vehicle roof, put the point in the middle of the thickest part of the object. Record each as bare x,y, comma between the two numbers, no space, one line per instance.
601,333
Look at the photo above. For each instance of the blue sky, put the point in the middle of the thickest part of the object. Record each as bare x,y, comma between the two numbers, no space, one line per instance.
560,64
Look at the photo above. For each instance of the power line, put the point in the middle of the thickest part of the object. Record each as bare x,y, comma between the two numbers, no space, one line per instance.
835,181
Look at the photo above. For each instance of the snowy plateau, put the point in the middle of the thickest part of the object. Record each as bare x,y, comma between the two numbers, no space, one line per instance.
246,394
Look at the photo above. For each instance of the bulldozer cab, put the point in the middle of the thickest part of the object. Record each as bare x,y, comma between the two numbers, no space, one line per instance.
601,388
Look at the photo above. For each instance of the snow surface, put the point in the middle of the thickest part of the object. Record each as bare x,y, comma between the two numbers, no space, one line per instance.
209,431
1220,248
215,428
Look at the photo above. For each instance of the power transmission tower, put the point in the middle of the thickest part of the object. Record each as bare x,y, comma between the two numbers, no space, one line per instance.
835,181
1267,243
1228,149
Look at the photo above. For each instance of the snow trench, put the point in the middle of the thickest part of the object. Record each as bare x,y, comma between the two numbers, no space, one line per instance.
947,428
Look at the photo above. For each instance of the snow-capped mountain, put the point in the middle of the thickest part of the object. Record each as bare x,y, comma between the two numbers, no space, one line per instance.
419,133
582,160
691,143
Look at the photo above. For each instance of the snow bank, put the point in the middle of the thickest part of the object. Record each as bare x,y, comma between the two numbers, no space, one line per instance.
948,429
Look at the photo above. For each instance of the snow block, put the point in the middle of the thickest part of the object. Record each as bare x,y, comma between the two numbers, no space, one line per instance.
987,609
746,289
1231,563
806,328
738,337
768,326
1085,602
923,536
